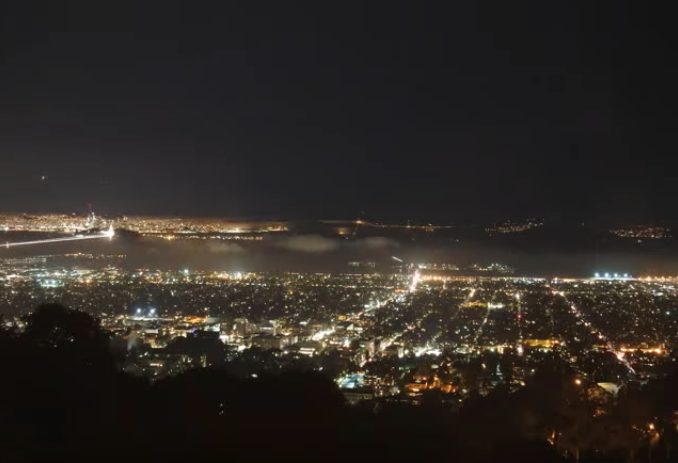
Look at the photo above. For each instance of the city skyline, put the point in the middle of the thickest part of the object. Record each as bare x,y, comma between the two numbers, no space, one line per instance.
338,231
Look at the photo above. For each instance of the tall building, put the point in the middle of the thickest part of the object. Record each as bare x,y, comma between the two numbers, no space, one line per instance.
241,327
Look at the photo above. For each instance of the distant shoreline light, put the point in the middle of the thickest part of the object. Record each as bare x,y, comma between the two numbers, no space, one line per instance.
612,276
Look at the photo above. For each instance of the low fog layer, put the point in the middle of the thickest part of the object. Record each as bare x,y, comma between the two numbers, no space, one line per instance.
320,254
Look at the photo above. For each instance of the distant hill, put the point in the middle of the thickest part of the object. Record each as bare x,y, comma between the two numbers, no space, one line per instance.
555,236
308,227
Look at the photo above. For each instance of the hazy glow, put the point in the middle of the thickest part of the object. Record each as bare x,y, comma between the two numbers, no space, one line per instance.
107,234
415,280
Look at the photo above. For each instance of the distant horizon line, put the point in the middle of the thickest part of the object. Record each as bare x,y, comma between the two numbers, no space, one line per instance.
414,222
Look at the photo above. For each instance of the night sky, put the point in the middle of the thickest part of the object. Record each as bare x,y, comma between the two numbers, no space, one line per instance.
403,110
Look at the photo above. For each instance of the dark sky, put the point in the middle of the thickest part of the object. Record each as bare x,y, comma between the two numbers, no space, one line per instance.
474,110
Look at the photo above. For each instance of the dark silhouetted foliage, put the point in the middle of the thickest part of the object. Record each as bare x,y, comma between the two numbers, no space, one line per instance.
63,398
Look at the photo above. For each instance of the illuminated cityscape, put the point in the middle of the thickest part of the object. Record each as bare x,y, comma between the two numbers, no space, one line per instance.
643,232
383,333
335,232
62,223
611,328
514,226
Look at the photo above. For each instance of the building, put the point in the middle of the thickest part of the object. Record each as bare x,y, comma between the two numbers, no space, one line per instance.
241,327
354,396
272,341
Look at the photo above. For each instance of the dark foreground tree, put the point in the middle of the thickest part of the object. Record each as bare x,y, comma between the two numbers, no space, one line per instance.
63,398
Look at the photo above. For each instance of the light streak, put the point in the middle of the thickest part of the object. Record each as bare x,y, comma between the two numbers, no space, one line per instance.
608,344
107,234
415,280
320,335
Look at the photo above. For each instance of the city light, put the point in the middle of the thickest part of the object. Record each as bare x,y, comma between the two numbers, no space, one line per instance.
373,317
615,276
107,234
415,280
435,232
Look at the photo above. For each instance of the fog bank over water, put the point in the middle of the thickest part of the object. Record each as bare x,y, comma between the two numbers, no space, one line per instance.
315,253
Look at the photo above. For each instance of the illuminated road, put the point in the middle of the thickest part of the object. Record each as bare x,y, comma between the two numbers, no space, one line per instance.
453,318
411,288
474,345
107,234
519,316
416,277
608,344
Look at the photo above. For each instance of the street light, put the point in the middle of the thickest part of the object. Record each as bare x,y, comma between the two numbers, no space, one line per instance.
654,438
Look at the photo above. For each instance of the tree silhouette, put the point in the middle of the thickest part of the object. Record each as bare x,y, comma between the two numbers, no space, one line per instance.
74,337
64,397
